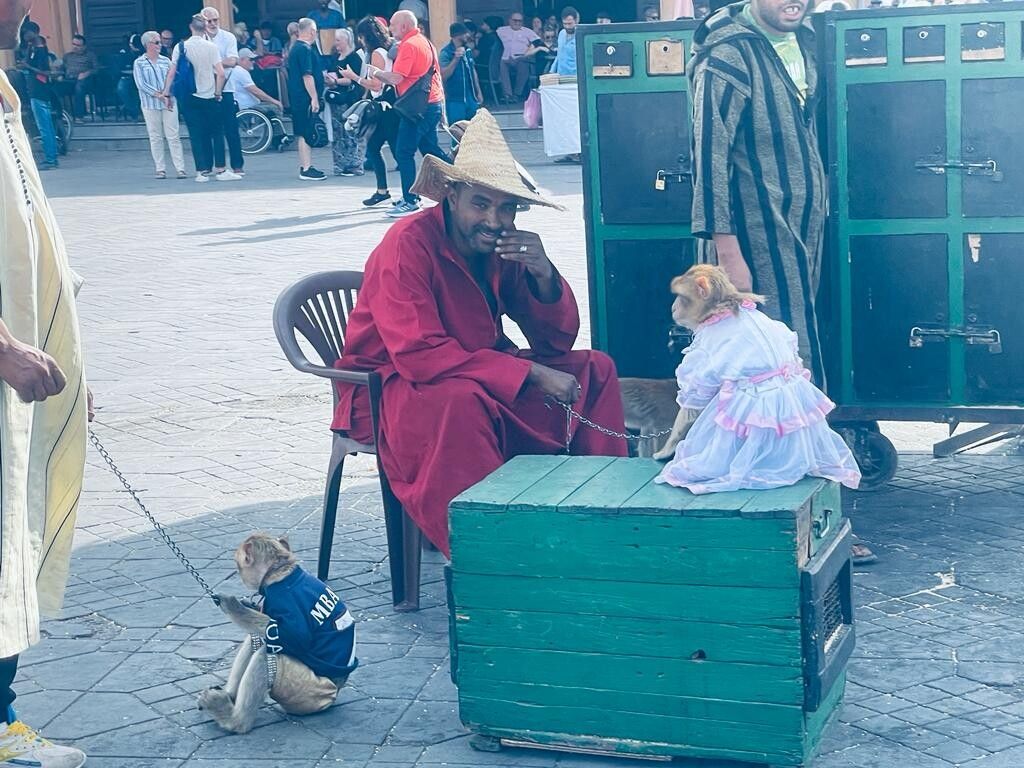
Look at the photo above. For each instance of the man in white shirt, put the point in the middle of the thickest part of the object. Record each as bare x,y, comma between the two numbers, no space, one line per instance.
517,56
200,109
227,45
247,93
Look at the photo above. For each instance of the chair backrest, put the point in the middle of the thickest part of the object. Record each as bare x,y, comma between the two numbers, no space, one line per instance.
318,307
494,65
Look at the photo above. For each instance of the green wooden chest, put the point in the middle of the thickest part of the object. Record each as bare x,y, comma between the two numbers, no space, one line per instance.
592,609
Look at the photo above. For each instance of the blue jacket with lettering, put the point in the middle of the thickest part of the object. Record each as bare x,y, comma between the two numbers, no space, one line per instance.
310,623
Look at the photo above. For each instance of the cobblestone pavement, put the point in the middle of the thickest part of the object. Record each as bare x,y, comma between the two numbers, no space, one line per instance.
222,437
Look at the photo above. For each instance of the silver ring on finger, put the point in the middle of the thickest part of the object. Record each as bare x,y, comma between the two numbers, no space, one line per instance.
523,249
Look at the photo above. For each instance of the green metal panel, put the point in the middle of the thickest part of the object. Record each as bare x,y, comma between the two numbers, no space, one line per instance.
947,51
637,237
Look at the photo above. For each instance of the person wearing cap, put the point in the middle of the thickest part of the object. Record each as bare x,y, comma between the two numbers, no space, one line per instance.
459,398
462,94
247,94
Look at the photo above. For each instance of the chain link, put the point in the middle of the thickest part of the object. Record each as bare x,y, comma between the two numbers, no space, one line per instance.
571,414
159,528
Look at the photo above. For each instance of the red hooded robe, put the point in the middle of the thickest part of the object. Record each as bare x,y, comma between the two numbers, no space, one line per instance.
455,403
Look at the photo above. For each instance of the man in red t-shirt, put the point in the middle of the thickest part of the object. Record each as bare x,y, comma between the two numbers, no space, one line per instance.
415,68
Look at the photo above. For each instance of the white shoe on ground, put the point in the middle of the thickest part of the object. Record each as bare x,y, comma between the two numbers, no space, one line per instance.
22,747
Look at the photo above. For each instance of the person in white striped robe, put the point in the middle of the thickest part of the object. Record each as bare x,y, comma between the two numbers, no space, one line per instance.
43,413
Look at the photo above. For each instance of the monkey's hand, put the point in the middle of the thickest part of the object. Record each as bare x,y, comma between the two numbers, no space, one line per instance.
248,619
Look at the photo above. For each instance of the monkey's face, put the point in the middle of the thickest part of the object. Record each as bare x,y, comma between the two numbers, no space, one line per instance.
688,309
249,571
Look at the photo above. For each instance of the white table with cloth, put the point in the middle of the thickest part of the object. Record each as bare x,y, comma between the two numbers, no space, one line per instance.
560,106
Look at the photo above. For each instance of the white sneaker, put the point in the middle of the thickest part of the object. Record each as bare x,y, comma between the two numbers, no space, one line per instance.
202,178
22,747
228,176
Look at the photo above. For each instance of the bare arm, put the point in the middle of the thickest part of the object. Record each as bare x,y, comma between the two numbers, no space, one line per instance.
170,77
262,95
730,258
218,87
388,78
310,84
448,69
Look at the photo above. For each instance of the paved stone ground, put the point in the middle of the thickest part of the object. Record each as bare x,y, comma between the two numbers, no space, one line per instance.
222,437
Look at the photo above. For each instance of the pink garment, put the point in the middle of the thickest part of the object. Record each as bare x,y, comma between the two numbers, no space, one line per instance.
762,423
516,42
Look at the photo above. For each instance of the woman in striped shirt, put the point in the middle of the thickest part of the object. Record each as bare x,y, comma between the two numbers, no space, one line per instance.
150,71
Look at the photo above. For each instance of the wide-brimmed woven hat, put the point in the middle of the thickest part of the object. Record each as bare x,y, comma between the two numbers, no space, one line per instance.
483,159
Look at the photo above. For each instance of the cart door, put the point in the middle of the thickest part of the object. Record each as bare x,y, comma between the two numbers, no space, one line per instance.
993,261
638,190
926,228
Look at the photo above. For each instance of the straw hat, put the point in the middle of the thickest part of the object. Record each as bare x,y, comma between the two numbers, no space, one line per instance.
484,160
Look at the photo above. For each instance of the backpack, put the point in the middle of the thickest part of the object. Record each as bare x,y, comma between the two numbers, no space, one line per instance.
185,77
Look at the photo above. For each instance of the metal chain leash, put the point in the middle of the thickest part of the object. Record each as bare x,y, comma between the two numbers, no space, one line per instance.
571,414
159,528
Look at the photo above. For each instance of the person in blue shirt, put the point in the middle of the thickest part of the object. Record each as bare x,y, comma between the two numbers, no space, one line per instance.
325,17
565,61
461,86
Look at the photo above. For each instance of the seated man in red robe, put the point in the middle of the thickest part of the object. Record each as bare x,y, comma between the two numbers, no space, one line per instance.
459,399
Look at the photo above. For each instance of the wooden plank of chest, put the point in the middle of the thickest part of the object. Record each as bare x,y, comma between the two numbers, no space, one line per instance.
637,636
742,740
611,487
632,674
770,607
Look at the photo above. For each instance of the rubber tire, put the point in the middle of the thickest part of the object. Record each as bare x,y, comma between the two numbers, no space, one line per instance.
255,131
64,127
876,456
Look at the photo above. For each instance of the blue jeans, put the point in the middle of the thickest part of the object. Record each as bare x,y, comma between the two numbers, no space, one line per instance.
421,135
44,123
460,110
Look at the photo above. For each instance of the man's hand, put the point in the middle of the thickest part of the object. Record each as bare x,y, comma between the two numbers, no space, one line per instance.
83,75
460,52
561,386
527,249
730,258
314,105
30,372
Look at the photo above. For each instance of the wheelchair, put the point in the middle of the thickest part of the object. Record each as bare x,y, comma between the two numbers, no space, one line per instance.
260,128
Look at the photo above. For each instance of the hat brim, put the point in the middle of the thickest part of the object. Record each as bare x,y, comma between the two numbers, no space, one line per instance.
435,176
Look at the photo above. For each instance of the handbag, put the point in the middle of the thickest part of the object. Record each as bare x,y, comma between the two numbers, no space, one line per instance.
413,103
316,131
532,110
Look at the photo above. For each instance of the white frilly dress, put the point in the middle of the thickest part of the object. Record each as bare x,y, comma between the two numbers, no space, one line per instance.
762,423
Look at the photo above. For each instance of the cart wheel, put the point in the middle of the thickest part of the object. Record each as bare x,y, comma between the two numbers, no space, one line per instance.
482,743
875,454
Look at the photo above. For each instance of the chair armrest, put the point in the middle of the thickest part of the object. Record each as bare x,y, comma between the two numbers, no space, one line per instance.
337,374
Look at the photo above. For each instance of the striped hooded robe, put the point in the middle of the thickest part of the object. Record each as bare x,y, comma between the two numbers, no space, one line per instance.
42,445
756,167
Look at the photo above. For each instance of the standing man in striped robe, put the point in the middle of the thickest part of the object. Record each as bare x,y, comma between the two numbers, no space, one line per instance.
759,184
43,412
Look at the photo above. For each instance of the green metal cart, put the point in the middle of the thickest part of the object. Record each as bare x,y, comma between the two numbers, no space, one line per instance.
926,230
923,108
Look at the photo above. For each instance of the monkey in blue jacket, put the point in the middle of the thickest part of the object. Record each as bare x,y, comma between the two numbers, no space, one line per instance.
301,646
